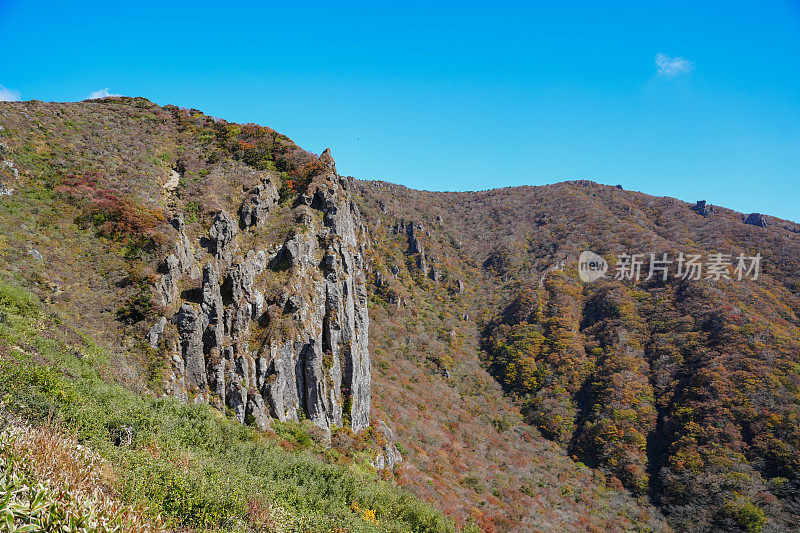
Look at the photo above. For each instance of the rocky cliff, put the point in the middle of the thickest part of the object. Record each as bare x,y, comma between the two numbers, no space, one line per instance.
300,351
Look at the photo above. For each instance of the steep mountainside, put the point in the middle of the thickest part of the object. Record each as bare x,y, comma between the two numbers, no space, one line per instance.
682,390
220,264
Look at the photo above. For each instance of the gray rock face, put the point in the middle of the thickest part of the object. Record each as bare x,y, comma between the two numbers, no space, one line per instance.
325,371
155,332
756,219
190,331
389,457
237,382
416,246
184,252
259,261
435,273
176,265
239,279
222,233
256,411
282,391
316,364
256,207
167,284
257,304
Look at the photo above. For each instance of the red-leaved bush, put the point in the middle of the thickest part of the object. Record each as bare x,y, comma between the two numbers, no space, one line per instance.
113,214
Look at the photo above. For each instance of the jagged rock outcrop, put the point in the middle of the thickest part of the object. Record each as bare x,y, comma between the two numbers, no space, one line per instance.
415,244
389,457
156,331
256,412
703,209
167,284
178,264
416,247
435,273
309,356
256,207
190,331
221,238
183,248
755,219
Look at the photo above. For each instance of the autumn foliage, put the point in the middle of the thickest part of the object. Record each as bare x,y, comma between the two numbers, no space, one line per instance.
114,214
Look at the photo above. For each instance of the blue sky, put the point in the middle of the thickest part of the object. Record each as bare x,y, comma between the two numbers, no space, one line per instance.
697,100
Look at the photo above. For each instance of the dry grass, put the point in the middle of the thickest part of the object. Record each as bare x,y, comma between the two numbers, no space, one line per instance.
74,485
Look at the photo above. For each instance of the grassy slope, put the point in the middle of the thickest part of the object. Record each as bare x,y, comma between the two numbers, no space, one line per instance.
188,463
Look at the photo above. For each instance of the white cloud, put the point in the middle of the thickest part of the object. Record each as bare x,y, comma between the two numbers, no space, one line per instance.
670,67
9,95
102,93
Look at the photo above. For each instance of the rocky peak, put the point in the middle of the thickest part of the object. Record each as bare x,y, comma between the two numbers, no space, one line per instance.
327,158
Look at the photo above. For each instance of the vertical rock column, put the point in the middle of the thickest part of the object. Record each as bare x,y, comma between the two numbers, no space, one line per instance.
319,368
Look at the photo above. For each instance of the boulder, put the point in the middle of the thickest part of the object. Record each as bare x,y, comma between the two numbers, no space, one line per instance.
755,219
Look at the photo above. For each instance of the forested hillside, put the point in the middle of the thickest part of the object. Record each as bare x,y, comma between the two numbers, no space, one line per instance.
684,391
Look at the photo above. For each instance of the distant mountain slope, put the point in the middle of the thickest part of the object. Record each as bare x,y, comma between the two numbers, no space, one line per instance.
684,390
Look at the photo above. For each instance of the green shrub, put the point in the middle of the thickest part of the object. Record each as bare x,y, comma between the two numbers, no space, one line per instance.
747,516
137,307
